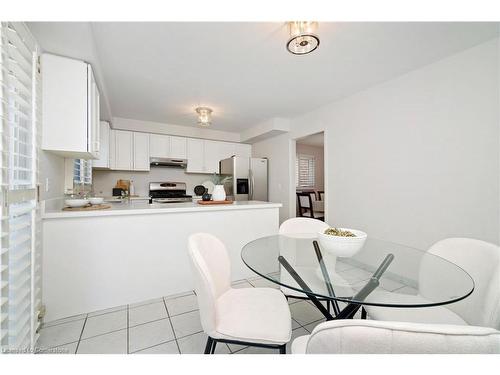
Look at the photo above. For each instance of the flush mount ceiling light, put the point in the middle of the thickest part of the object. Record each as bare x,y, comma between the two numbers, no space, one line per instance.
204,116
303,38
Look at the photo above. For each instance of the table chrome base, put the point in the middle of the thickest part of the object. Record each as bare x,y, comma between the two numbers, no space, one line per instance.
352,308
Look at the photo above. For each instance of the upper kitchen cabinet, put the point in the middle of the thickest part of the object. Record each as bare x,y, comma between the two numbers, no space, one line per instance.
104,139
129,151
123,150
141,152
70,108
178,148
215,152
195,156
159,146
203,156
165,146
242,149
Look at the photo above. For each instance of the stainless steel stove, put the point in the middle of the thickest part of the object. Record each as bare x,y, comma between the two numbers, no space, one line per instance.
169,192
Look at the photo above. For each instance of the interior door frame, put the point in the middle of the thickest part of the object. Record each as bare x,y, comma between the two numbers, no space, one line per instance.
293,155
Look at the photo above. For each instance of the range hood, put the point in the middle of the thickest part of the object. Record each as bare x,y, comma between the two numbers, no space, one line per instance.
168,162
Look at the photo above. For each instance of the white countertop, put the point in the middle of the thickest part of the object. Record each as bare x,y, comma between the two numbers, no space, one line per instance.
53,210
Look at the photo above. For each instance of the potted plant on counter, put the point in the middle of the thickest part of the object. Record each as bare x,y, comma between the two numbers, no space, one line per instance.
219,194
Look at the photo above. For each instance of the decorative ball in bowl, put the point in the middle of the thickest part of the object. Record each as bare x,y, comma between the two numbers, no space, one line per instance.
96,200
342,242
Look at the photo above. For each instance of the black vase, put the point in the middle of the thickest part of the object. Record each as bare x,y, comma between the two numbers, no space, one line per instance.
206,197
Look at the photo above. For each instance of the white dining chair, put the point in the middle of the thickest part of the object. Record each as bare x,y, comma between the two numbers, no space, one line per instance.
301,225
248,316
481,260
307,265
374,337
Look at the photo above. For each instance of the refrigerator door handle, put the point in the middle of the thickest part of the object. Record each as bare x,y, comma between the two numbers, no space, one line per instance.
252,182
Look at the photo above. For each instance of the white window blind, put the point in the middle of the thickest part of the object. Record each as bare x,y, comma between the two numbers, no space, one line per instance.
20,257
305,167
82,172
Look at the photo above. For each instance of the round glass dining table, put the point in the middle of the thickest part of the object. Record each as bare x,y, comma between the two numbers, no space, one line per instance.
381,274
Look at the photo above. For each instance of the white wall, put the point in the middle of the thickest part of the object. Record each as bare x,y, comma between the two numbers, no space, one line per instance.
415,159
319,169
51,168
279,151
104,181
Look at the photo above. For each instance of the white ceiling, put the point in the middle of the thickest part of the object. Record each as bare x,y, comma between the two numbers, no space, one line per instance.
162,71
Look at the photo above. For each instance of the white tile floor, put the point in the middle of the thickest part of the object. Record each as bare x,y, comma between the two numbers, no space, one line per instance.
169,325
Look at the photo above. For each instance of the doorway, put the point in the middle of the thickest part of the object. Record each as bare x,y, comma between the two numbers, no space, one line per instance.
310,197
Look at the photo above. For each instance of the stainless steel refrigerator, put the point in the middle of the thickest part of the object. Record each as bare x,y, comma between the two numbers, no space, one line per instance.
248,178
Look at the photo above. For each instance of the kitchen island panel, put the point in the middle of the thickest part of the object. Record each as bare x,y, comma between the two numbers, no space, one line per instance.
93,263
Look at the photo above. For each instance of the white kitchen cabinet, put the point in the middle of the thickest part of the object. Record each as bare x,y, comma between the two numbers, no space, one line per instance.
124,150
132,151
195,155
242,149
141,152
104,140
159,146
212,156
70,108
93,108
178,148
165,146
112,149
204,155
216,151
128,151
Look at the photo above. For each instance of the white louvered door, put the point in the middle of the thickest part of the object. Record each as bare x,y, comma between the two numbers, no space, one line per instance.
20,242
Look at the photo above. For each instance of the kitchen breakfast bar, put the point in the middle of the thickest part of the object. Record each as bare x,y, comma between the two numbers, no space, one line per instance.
134,251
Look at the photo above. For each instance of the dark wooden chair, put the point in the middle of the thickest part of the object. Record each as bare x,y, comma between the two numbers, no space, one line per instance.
321,195
305,204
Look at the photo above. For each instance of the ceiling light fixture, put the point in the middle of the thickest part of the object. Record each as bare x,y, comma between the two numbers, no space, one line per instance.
204,116
303,38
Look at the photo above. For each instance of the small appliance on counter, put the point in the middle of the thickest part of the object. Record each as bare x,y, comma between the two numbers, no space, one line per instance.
121,188
118,192
168,192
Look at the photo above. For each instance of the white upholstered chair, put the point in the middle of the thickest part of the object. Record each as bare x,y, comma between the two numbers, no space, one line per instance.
247,316
374,337
301,225
482,308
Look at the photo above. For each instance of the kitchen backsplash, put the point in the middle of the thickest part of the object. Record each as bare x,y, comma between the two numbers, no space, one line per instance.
104,181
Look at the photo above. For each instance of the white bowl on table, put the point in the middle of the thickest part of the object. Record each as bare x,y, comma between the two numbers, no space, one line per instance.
342,246
96,200
76,202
